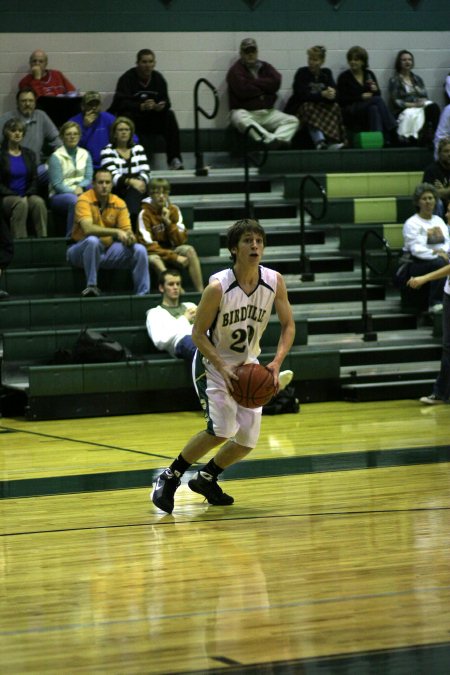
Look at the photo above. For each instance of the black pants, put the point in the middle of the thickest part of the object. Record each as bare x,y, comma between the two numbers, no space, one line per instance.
163,124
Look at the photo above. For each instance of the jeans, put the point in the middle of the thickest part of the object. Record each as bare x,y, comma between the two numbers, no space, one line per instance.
91,254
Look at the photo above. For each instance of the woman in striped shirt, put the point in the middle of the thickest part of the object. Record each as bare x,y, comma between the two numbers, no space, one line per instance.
128,164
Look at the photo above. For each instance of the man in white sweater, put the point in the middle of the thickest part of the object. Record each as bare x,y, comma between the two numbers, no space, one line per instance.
169,325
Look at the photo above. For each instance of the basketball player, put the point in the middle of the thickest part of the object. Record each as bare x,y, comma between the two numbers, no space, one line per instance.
231,318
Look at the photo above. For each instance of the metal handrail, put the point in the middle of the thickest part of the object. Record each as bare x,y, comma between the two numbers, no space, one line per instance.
367,321
200,168
305,263
249,211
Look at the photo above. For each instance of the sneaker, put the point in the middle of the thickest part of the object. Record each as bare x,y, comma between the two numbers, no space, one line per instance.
436,309
3,295
164,491
322,145
336,146
176,164
204,484
284,378
432,399
91,292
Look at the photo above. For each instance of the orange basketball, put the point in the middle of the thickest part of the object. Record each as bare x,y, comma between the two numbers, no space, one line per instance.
255,386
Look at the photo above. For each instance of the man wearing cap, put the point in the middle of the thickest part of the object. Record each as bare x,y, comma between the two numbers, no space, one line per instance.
95,125
252,91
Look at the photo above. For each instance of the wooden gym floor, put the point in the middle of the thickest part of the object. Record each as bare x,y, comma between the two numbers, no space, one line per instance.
335,557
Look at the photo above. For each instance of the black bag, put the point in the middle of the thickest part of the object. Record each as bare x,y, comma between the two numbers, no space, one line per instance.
92,346
403,271
283,402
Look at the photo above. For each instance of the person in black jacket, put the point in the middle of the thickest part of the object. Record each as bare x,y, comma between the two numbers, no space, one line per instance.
360,98
18,184
314,102
142,95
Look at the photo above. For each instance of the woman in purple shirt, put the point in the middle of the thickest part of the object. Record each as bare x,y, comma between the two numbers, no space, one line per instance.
18,184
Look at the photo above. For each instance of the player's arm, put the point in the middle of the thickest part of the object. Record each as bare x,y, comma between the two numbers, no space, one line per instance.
417,282
287,335
206,313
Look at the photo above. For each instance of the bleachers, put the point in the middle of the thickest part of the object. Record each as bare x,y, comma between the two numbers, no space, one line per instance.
330,359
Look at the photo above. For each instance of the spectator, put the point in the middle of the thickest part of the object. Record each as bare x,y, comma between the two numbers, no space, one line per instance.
43,81
252,91
426,238
169,325
441,387
18,183
103,237
443,129
142,96
314,102
129,166
162,231
41,134
70,171
360,97
438,174
417,117
95,126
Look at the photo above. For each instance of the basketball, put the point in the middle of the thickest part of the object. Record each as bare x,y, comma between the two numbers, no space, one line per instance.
255,386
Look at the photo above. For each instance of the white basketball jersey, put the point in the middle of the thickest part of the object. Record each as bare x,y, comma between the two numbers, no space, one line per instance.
242,318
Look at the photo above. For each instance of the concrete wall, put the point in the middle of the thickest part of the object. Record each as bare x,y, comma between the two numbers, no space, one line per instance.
94,60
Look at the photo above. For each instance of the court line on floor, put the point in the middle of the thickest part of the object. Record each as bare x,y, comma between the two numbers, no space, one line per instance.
250,468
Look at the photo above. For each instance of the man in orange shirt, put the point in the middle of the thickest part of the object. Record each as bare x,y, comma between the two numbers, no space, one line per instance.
103,237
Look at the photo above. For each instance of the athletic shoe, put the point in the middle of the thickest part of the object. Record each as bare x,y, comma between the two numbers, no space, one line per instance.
164,490
284,378
204,484
336,146
3,295
436,309
91,292
432,399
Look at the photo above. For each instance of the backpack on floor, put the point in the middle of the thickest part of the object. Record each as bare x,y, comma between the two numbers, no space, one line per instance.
92,346
283,402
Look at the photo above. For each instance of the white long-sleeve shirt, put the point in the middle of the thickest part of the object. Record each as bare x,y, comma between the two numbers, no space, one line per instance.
165,329
416,237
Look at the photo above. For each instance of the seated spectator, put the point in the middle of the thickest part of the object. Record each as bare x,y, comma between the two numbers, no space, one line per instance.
438,174
6,251
70,171
129,166
314,102
417,116
169,325
360,97
443,129
41,134
18,184
426,237
103,237
163,233
142,96
95,126
252,92
441,387
43,81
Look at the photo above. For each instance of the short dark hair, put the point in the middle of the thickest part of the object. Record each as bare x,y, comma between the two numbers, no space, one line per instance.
165,273
420,190
26,90
239,228
101,169
442,144
397,64
13,124
144,52
358,53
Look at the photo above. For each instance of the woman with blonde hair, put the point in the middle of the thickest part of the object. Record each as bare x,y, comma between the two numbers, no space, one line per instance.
314,102
128,164
70,173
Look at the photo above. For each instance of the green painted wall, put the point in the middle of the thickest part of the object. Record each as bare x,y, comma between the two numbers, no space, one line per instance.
223,15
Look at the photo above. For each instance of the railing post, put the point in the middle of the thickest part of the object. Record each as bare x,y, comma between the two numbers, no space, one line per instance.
305,262
200,168
249,209
367,319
